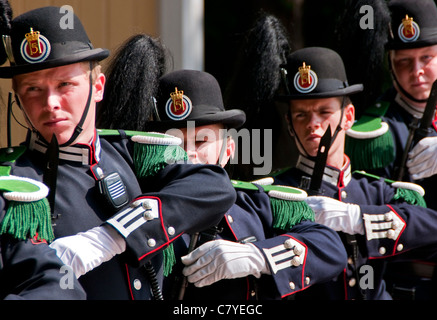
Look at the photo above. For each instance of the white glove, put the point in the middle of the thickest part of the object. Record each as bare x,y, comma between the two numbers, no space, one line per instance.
337,215
422,160
87,250
221,259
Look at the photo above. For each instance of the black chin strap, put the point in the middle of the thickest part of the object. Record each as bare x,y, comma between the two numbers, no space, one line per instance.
78,129
405,93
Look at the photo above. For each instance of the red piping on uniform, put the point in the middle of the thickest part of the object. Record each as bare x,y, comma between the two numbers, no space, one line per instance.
128,281
400,233
345,285
229,225
162,226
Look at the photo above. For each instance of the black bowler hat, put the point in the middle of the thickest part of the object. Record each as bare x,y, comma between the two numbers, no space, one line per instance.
413,24
190,95
316,73
40,40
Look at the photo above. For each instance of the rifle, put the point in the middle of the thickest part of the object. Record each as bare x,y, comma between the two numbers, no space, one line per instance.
419,128
312,185
191,247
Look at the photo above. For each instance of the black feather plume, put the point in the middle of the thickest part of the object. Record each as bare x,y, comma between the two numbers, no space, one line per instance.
5,25
362,32
132,81
255,80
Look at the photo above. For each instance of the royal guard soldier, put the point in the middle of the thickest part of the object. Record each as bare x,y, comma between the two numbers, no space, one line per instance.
265,220
377,219
396,137
29,269
110,191
377,142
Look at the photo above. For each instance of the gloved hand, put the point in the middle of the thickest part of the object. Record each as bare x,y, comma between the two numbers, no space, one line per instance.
221,259
422,162
87,250
337,215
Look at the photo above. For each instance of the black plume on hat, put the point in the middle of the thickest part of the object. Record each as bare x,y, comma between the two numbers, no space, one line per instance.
201,101
58,45
315,73
420,27
5,25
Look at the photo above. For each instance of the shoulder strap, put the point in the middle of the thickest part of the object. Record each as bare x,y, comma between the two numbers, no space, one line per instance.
409,192
287,203
152,151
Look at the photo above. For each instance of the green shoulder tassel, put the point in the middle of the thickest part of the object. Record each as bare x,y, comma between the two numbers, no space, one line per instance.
25,220
28,214
151,158
287,204
369,143
409,192
152,151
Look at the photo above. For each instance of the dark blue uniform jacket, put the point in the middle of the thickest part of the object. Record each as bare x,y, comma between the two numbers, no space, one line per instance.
189,198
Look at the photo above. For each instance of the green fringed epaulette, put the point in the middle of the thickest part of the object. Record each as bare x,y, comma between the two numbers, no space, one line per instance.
287,203
369,143
152,151
409,192
28,213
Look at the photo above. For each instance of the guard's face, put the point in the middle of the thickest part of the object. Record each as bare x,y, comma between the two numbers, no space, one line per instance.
203,144
54,100
416,70
310,119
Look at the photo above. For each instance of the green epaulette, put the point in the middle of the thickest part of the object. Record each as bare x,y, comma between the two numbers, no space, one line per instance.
287,203
409,192
369,143
152,151
28,211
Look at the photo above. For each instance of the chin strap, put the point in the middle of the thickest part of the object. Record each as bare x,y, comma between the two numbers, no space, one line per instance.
79,129
404,92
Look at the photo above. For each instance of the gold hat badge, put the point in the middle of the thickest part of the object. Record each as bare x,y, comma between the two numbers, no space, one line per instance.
33,42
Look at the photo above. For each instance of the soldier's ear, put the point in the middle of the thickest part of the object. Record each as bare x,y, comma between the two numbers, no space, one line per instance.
349,116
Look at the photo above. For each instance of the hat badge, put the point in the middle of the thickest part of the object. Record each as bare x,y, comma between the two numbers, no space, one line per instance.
408,30
35,47
305,79
179,106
